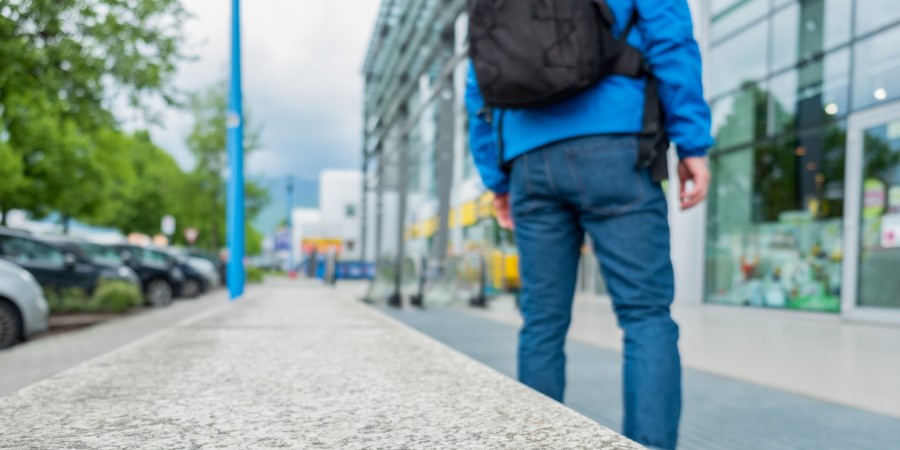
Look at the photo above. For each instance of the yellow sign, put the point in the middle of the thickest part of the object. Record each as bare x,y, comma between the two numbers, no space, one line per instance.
468,213
322,245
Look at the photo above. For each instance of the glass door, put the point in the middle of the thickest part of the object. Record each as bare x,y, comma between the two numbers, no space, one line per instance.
873,216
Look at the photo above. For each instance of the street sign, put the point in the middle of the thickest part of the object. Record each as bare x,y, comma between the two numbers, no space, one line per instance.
191,234
168,225
283,240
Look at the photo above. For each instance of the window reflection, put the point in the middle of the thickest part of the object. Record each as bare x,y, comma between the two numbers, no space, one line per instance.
776,230
734,15
739,118
718,6
810,95
805,29
874,14
740,59
877,69
880,257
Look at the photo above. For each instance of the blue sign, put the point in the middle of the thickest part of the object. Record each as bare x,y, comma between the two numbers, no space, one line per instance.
283,240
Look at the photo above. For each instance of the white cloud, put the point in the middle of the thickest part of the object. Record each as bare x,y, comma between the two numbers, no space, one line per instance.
302,81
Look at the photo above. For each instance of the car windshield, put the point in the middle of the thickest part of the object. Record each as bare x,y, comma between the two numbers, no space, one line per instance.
100,254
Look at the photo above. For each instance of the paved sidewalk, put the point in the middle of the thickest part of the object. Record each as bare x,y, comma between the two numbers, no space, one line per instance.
719,412
299,366
814,355
40,358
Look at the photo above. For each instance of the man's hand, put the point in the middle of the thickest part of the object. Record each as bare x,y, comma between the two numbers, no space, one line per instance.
695,171
504,213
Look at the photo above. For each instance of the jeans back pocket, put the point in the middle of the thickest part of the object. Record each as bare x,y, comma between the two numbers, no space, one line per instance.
605,175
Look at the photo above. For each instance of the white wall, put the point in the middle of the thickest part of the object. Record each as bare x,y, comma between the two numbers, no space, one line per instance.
338,191
301,220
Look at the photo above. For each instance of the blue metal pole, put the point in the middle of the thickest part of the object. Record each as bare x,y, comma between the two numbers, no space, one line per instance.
235,208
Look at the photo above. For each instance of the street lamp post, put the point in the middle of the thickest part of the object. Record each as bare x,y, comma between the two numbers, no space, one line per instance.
235,124
290,226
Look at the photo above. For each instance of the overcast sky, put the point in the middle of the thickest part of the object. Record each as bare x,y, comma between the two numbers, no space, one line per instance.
302,81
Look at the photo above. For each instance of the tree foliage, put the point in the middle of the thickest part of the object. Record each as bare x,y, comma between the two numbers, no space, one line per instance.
63,65
206,183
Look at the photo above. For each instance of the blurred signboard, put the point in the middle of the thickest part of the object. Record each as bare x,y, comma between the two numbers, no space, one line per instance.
283,240
167,225
890,231
322,245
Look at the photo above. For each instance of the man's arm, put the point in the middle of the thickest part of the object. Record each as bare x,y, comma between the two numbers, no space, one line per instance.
482,140
674,58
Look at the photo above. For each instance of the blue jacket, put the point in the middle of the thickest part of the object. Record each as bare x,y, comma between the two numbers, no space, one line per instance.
664,35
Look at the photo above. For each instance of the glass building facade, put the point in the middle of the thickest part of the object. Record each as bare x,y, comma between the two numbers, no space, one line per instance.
804,212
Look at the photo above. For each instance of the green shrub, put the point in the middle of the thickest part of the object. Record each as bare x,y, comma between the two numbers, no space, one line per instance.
109,297
255,275
116,296
67,301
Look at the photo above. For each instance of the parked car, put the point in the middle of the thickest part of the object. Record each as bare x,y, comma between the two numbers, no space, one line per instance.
160,275
23,309
206,268
213,258
54,267
98,254
195,283
209,271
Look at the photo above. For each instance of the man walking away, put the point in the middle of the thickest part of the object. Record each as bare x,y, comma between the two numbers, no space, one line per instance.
570,149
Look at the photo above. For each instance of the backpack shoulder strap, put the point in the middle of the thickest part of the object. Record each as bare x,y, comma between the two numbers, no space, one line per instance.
631,23
631,63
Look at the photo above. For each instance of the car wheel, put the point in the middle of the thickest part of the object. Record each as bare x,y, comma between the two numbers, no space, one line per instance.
159,293
10,325
191,288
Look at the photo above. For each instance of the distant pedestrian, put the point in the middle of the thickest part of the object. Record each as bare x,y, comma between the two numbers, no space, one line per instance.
572,105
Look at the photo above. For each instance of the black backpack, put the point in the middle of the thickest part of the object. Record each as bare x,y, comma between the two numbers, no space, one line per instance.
533,53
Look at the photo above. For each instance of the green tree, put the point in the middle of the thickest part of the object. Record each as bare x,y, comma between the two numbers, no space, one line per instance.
150,186
63,63
205,184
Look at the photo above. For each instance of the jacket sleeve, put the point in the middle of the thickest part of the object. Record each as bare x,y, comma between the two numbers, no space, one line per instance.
674,57
482,140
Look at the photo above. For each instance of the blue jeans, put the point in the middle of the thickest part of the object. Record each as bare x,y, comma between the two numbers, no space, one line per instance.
591,185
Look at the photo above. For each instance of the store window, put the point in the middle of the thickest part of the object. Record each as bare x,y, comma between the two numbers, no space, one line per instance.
807,28
779,3
880,222
729,16
877,68
740,60
739,119
810,95
776,223
719,6
872,15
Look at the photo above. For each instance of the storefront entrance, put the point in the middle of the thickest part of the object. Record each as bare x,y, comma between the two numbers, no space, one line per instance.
872,217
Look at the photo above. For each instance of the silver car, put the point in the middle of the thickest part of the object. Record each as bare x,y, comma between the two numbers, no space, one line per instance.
23,308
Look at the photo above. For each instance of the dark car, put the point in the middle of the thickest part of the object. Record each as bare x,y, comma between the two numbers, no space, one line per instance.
96,253
54,267
221,267
194,282
159,272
